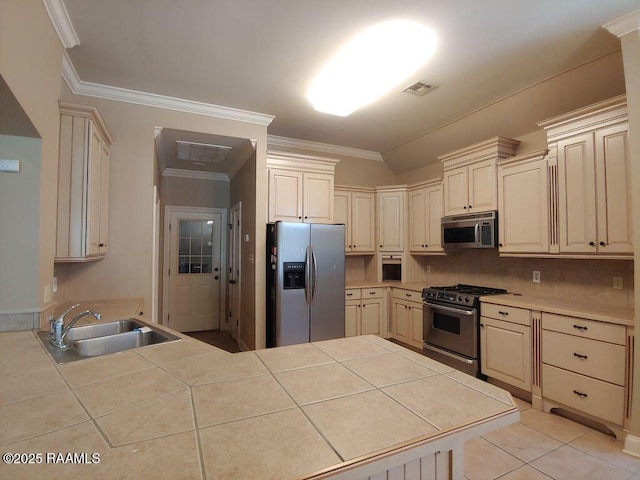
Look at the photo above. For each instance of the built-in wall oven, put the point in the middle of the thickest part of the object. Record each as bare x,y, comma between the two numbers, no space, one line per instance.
450,325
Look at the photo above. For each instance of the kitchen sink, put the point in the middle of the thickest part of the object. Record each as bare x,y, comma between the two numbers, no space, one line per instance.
103,338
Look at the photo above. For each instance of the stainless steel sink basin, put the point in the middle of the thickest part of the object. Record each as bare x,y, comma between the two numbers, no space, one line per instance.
102,329
104,338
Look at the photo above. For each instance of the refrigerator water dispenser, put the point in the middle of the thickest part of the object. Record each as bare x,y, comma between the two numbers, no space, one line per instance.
293,275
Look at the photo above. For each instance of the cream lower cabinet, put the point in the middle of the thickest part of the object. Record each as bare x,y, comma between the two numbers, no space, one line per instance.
586,366
365,311
406,314
505,345
83,185
355,207
425,213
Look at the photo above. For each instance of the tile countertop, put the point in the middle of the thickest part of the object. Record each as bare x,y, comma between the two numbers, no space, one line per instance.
189,410
620,316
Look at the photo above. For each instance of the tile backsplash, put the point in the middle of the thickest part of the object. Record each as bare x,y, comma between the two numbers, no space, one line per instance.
572,280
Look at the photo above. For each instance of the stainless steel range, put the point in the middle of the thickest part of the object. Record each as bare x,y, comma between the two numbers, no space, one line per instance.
450,325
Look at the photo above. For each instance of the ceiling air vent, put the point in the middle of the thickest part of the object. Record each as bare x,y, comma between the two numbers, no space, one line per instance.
420,88
201,153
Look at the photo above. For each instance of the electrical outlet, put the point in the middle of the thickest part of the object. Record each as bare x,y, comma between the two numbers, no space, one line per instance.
54,284
428,268
617,283
48,294
536,276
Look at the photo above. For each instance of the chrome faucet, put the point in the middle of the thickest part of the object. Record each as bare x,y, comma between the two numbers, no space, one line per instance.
58,330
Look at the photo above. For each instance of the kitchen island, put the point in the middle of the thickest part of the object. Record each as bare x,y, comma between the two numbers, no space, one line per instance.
349,408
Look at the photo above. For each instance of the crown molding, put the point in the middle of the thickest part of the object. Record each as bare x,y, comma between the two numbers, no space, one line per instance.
195,174
624,24
275,141
80,87
61,22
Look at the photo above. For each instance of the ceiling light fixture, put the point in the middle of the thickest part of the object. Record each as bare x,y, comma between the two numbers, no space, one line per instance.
370,64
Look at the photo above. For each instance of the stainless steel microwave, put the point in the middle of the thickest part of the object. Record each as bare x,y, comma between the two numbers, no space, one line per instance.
475,230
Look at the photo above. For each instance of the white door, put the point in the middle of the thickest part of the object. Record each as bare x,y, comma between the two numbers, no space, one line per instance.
235,245
194,271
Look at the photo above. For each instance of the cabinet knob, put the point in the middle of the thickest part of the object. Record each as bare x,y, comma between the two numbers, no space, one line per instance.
465,207
470,206
482,325
380,246
592,244
300,218
101,244
602,244
426,245
216,277
499,244
305,217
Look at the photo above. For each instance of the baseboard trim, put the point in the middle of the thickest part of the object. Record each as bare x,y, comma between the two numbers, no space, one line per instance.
632,445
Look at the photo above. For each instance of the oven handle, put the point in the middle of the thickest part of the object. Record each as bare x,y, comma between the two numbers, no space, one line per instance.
448,354
468,313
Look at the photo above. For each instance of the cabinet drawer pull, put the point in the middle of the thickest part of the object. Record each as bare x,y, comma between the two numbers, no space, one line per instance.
503,313
372,293
408,294
577,355
349,294
581,328
580,394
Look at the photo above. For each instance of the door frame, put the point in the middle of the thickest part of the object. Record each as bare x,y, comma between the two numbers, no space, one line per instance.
174,209
235,248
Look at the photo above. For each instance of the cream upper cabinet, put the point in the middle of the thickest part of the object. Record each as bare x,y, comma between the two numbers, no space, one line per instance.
391,218
425,212
83,185
523,203
355,207
469,178
300,188
593,179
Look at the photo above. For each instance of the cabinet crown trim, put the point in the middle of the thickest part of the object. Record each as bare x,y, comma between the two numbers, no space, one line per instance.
426,184
296,161
598,115
354,188
90,112
525,157
496,147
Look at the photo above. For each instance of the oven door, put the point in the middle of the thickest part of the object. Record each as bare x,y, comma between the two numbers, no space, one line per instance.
454,329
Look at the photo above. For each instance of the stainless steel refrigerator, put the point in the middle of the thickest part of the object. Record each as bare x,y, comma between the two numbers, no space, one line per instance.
305,283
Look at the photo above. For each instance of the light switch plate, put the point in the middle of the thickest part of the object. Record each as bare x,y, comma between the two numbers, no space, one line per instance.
536,276
617,283
9,165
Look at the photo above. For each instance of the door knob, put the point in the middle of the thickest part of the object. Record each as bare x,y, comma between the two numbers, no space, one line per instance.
216,277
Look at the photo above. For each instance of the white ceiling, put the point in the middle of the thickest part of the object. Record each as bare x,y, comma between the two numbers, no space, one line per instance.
260,56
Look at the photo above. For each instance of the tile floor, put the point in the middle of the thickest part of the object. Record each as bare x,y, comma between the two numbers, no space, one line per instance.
218,338
545,446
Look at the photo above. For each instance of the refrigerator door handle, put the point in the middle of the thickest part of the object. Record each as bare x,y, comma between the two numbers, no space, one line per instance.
314,281
307,276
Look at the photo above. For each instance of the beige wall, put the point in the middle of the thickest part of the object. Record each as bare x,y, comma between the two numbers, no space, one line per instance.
30,63
193,192
243,189
127,269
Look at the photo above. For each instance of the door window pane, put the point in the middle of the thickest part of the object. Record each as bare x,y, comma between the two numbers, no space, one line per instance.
194,241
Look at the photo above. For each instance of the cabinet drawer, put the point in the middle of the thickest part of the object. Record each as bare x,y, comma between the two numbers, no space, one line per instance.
352,294
605,332
508,314
601,360
601,399
377,292
410,295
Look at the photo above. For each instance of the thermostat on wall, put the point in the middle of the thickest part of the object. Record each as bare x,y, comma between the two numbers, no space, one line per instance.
9,165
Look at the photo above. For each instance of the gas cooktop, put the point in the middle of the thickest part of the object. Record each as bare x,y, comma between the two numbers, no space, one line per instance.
460,294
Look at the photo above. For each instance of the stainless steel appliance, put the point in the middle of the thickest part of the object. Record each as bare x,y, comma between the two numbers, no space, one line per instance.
305,283
474,230
450,325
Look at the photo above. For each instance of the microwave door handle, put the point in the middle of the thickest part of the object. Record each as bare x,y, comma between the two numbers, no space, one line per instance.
476,231
449,309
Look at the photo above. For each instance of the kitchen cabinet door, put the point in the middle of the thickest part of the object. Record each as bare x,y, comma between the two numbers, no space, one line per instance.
317,198
371,316
285,195
363,222
416,325
342,214
401,322
523,207
613,190
434,211
351,318
482,186
417,220
505,352
391,207
456,191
